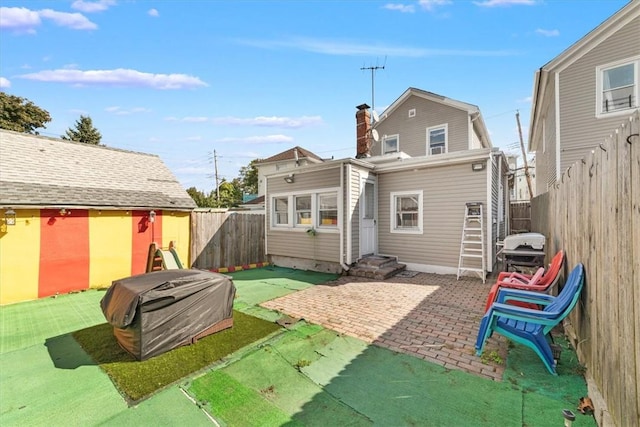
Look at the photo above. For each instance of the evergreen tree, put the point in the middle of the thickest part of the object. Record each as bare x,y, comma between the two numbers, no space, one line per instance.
84,132
21,115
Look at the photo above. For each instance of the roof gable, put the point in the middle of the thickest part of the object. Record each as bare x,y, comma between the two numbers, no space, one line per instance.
290,154
42,171
473,110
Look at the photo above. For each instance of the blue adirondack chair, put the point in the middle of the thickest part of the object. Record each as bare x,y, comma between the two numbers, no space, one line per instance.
527,326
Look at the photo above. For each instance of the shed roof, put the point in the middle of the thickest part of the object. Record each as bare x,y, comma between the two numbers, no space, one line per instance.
42,171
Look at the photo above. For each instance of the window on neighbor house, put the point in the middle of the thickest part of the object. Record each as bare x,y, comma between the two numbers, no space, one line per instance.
406,212
303,210
390,144
281,211
617,86
328,210
437,140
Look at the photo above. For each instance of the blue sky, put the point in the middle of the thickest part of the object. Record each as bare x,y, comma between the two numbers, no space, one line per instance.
250,79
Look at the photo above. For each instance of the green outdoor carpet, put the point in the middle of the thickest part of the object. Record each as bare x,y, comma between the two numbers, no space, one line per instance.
314,376
137,380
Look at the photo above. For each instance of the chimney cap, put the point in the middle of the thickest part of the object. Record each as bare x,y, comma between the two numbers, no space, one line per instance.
363,107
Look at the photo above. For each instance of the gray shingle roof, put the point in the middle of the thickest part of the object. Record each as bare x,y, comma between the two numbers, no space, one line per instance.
42,171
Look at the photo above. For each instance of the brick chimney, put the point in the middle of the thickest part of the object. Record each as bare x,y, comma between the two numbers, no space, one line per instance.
363,131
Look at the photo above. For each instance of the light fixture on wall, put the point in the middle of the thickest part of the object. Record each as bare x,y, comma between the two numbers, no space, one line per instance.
289,178
152,216
10,217
64,212
477,166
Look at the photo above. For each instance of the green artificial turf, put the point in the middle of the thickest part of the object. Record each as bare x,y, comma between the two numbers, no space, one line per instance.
137,380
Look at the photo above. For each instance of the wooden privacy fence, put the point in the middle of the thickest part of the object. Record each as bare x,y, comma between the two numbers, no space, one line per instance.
226,239
520,215
593,213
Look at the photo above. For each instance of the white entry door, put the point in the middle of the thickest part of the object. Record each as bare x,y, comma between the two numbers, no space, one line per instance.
368,219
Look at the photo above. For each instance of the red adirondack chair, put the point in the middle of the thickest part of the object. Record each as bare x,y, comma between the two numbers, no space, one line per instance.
541,281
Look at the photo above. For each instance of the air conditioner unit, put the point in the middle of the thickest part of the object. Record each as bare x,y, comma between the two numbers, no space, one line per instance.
437,150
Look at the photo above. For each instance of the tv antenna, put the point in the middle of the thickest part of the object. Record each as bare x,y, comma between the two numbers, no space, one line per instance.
373,70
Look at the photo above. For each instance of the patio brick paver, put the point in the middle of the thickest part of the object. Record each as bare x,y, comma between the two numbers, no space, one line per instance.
430,316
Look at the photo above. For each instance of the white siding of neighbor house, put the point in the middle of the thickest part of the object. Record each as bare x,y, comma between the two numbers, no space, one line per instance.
446,189
412,131
580,130
324,246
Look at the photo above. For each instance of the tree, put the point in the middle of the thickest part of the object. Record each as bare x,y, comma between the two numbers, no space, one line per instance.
201,199
249,178
230,194
21,115
84,132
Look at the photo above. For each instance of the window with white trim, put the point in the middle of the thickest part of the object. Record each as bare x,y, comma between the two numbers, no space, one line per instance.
617,86
437,139
303,210
390,144
406,212
328,210
280,211
311,209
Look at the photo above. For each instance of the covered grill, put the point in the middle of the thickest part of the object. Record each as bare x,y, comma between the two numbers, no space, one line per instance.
523,252
155,312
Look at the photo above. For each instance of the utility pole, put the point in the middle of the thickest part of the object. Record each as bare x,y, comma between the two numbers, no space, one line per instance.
524,157
373,70
215,166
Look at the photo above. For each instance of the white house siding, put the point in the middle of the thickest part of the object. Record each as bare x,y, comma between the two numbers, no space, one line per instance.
495,221
580,130
446,189
413,130
324,246
354,190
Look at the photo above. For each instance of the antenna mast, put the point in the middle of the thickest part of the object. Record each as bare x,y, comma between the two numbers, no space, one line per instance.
373,70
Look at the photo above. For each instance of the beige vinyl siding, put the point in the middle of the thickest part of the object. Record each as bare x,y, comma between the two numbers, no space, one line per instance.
495,194
545,170
412,131
446,189
580,130
324,246
355,189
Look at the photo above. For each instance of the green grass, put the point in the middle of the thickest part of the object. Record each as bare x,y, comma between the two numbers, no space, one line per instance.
137,380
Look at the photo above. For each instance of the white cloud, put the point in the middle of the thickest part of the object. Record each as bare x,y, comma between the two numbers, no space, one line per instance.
265,139
498,3
273,121
342,47
4,83
19,19
432,4
92,6
404,8
23,20
548,33
117,77
118,111
153,12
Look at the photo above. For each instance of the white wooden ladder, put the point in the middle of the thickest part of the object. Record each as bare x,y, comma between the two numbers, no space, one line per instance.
472,247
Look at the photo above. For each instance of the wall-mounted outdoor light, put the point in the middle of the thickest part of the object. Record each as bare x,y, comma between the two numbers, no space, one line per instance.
477,166
64,212
289,178
10,217
152,216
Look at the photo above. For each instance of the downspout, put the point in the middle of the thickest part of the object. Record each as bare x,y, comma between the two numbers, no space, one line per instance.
344,266
349,215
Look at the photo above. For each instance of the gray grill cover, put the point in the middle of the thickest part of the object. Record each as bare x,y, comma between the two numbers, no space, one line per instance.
155,312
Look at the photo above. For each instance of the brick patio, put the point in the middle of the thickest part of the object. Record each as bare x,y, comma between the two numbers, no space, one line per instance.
430,316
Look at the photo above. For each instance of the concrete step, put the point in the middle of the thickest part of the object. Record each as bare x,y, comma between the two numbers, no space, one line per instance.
376,267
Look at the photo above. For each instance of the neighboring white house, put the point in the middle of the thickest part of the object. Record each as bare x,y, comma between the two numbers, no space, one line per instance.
584,93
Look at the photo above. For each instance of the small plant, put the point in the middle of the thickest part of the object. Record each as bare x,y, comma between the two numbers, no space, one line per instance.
311,231
302,363
491,356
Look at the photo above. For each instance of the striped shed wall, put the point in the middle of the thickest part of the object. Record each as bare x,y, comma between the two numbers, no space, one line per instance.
82,215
